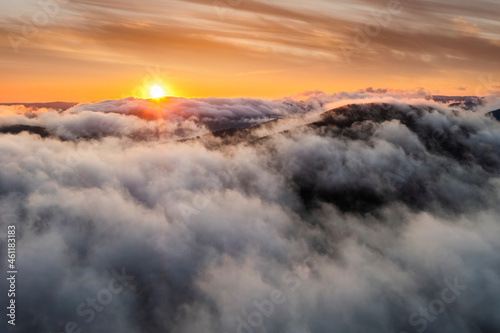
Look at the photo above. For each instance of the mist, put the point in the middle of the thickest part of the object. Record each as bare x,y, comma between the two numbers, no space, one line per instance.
371,211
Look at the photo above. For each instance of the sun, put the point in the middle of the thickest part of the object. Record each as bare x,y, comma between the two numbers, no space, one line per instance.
156,92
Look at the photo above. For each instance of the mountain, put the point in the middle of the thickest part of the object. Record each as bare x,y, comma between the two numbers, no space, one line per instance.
495,114
467,102
16,129
61,106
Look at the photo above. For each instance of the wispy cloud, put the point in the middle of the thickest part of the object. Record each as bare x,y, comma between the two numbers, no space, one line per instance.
256,36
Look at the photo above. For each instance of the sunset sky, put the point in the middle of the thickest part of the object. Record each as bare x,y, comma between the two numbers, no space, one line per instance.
89,50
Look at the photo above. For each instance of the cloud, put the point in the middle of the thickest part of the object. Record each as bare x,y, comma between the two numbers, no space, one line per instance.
465,27
176,117
350,220
376,91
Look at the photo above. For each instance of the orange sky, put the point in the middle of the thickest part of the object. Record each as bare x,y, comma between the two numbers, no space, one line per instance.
89,50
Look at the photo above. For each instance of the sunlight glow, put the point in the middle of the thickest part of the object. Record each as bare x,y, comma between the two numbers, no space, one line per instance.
156,92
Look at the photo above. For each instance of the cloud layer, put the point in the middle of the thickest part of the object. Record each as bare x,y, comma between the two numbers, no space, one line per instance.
374,217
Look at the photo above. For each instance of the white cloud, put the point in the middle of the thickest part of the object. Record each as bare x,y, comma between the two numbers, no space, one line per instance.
385,200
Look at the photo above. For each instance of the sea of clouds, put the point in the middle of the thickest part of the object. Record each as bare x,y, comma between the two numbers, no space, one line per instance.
382,216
